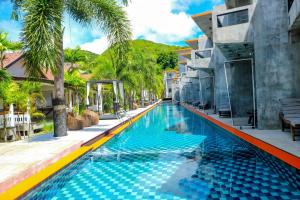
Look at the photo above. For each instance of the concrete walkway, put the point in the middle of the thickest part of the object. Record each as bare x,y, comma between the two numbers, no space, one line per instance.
282,140
21,159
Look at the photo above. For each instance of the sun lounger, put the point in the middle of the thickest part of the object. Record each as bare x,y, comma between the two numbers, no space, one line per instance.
224,111
196,103
295,124
203,106
290,115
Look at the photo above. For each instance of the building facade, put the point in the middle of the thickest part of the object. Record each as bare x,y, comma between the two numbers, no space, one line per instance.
250,48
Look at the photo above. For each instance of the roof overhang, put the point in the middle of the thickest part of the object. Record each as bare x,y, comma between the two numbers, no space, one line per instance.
204,21
193,43
182,62
185,52
233,51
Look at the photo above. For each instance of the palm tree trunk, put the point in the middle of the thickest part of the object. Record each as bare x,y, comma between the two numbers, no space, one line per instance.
59,107
2,59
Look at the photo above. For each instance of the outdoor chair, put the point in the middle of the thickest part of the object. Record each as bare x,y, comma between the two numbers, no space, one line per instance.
290,115
196,103
224,111
203,105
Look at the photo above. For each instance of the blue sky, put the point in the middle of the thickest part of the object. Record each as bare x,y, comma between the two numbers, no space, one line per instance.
163,21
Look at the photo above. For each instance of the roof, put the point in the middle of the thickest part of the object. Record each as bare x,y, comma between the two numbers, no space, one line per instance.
193,43
184,51
204,21
11,58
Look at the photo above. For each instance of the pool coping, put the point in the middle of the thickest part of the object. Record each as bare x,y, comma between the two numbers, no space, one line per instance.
280,154
46,169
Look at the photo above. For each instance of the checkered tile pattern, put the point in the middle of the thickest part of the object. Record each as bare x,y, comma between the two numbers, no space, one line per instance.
153,161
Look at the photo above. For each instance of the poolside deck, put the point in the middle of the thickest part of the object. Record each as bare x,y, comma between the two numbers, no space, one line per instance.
19,160
277,138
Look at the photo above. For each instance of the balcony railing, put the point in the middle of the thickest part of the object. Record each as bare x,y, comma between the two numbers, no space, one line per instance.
203,54
233,18
14,119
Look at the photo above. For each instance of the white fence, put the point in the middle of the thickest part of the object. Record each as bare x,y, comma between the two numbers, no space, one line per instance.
14,119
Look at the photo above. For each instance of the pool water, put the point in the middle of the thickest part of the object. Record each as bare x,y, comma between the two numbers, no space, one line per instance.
171,153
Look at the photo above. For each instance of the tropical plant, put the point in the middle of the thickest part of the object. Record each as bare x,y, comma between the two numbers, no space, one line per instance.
42,37
8,89
3,47
77,84
167,60
4,76
74,56
140,71
29,96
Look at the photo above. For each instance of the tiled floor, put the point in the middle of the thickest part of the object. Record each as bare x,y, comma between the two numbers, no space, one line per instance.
40,151
282,140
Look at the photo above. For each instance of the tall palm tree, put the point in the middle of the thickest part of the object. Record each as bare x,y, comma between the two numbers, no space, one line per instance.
42,37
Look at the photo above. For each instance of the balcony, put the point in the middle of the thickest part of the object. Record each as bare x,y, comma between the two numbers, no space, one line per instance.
237,3
294,14
232,25
201,58
233,51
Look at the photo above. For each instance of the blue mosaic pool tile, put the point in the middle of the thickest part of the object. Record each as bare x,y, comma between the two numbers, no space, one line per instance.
197,161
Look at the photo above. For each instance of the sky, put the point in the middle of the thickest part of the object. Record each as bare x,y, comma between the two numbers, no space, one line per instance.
162,21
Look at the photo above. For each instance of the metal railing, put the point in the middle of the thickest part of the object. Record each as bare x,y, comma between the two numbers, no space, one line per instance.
233,18
14,119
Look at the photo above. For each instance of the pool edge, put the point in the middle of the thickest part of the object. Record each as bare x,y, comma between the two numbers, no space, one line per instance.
19,189
280,154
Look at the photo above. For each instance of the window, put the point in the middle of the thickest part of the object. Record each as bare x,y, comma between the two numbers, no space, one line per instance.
233,18
170,90
203,54
290,3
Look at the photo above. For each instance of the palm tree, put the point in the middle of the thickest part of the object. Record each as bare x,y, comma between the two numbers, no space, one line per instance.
42,38
3,47
73,56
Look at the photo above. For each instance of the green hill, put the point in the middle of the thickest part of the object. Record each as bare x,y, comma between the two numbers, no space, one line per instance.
148,47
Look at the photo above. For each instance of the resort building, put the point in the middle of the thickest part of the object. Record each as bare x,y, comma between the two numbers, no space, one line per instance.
169,77
249,49
15,65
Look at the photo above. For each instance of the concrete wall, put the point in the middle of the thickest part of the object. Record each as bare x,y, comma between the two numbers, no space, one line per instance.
204,43
239,76
235,33
277,62
17,69
217,62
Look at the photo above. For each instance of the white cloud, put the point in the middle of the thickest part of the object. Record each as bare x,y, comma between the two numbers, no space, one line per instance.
97,46
155,20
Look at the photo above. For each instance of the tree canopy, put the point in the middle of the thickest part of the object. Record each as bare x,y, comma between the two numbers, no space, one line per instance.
168,60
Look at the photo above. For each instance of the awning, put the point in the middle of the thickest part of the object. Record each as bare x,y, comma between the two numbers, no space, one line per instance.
204,21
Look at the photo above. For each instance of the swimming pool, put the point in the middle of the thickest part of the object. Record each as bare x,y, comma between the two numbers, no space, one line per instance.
171,153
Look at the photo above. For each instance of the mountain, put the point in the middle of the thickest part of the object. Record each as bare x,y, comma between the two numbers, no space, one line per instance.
146,46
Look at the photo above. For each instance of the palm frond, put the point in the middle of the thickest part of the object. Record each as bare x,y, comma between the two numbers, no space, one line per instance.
4,76
41,35
17,4
109,16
